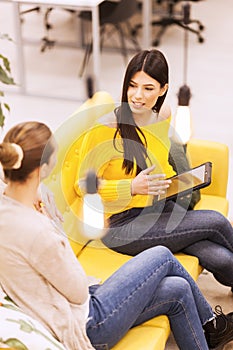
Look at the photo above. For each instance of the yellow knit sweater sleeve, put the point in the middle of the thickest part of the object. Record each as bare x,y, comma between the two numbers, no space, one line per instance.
99,154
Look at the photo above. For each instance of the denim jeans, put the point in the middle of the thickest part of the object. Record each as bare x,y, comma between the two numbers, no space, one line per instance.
152,283
205,234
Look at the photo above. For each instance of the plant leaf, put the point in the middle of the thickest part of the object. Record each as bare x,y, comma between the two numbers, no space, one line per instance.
6,106
6,63
5,36
15,344
2,117
5,78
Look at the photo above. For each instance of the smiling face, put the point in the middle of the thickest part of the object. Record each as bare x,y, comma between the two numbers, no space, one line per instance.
143,92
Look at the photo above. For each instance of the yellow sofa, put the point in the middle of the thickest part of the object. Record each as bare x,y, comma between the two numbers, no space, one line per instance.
213,196
98,260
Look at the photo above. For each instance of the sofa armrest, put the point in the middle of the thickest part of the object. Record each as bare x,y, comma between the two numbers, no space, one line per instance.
201,151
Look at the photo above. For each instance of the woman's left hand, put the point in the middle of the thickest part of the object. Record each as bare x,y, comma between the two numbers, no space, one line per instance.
146,183
46,204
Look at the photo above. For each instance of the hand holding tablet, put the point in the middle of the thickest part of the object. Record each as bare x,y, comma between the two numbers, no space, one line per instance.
188,181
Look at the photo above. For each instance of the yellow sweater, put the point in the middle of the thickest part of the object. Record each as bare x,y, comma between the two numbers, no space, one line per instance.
98,153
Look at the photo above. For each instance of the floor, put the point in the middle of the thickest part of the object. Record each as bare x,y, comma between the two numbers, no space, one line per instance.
55,73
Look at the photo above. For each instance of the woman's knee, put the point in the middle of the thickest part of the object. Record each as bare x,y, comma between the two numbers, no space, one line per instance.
221,226
213,222
175,289
158,253
217,219
154,256
178,288
157,256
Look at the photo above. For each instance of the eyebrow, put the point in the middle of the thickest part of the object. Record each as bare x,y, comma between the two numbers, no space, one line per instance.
150,84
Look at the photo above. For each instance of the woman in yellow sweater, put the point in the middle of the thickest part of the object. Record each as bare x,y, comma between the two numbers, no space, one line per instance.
129,152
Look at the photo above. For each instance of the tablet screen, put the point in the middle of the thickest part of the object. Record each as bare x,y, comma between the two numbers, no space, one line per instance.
186,182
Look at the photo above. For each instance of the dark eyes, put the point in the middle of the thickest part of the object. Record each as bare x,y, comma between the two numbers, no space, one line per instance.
132,85
146,88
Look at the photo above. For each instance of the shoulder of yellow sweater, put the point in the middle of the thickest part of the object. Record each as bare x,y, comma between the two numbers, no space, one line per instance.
165,112
108,120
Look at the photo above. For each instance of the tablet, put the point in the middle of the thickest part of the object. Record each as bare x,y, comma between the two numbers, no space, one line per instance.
188,181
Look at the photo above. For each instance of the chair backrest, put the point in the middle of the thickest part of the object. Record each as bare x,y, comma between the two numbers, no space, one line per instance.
69,136
201,151
123,11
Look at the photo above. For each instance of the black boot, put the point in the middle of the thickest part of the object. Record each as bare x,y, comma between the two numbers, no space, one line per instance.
219,331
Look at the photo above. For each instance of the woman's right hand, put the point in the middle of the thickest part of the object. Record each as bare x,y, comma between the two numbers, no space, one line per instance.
152,184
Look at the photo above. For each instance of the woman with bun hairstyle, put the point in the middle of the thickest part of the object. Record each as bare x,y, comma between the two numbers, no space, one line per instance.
41,274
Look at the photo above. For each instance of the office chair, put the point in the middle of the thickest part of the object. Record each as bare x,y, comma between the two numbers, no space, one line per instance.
46,42
24,12
37,9
173,16
116,14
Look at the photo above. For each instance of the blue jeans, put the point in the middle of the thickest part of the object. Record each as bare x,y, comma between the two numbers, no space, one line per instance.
152,283
205,234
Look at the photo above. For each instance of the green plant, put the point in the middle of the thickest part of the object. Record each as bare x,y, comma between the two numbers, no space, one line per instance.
5,78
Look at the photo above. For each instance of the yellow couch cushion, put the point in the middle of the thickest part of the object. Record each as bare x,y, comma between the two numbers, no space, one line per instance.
220,204
201,151
144,337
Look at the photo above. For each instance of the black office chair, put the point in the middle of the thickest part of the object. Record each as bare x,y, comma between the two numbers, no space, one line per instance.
176,17
48,43
171,15
24,12
116,14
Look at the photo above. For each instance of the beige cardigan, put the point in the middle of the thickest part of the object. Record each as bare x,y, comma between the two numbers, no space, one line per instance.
41,274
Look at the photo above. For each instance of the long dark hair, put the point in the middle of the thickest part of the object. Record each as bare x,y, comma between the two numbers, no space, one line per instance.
155,65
